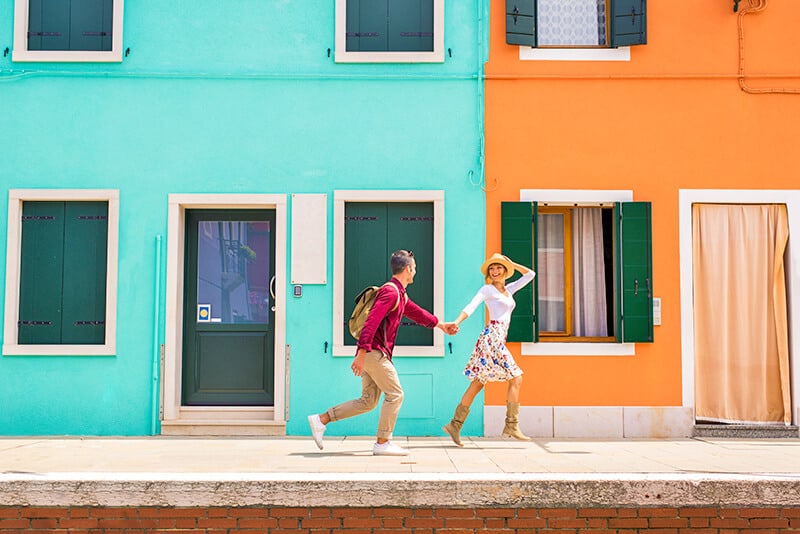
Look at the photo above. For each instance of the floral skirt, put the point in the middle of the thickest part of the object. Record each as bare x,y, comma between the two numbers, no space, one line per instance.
491,361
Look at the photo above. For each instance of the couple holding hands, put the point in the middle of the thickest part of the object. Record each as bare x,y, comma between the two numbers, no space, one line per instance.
490,361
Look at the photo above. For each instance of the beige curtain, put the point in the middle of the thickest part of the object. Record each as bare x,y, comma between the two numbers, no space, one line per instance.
740,319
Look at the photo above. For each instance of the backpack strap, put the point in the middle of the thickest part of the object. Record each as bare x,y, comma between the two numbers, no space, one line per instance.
398,294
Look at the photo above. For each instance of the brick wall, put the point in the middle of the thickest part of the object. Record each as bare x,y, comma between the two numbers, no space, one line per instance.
97,520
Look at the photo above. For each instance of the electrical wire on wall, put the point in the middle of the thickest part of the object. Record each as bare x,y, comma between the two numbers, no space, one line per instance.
755,6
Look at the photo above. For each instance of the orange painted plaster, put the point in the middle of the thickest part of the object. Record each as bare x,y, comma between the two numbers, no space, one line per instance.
673,117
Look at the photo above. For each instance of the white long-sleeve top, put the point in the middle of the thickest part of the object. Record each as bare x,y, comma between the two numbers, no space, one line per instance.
500,304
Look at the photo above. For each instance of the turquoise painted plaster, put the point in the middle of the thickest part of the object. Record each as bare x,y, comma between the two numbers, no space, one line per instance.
239,97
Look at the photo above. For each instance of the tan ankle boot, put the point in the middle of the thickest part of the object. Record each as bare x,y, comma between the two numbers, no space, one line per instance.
511,429
454,426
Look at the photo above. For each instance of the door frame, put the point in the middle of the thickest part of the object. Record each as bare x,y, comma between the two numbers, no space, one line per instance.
688,197
180,419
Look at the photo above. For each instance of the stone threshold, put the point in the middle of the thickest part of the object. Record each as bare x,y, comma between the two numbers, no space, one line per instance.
738,431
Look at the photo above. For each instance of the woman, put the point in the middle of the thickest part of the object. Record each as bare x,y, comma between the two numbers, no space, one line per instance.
491,361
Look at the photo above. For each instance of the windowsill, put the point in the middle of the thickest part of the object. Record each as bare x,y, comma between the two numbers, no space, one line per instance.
390,57
575,54
578,349
54,56
59,350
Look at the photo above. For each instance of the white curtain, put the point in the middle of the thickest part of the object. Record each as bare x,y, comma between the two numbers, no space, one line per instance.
571,22
551,273
588,274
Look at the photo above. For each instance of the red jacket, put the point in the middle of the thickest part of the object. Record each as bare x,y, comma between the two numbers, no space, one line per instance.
380,328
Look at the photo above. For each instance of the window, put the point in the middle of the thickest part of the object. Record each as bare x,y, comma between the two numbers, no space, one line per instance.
576,23
390,31
594,271
575,272
61,283
368,227
68,30
374,230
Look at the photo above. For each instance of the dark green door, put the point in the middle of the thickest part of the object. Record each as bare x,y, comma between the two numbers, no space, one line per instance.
229,333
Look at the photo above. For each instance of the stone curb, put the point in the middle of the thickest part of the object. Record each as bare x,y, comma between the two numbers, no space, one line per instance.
536,490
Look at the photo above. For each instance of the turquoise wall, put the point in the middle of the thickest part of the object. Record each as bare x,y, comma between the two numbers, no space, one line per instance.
239,97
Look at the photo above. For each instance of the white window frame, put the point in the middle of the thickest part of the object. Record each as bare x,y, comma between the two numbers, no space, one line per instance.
339,200
21,52
341,55
576,197
16,197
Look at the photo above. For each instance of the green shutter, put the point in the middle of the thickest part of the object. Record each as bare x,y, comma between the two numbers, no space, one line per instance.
41,265
518,243
628,22
521,22
636,272
90,25
35,24
410,26
366,254
85,261
48,25
372,231
411,228
366,26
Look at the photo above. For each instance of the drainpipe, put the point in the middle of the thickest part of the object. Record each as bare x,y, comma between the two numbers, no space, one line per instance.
481,57
156,338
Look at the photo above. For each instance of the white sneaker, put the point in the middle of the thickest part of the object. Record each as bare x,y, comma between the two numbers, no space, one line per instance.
317,429
388,449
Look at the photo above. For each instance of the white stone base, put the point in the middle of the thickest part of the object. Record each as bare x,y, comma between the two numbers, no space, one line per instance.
595,421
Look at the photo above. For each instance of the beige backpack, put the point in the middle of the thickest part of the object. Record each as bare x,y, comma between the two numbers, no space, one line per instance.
364,302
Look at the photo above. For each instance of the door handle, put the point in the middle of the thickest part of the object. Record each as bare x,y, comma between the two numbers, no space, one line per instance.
272,291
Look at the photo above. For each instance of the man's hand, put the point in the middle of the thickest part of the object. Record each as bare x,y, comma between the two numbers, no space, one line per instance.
358,362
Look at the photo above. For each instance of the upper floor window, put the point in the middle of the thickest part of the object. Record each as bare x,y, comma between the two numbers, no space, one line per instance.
576,23
389,31
68,30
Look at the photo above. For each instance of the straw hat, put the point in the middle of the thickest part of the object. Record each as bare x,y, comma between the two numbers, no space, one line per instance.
500,260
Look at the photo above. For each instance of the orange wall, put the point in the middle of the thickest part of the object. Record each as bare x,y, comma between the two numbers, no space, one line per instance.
673,117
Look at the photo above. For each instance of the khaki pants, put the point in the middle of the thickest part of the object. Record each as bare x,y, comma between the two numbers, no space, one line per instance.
379,376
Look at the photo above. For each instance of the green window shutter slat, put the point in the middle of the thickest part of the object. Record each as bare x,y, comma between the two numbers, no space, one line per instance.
85,263
411,228
367,26
637,271
521,22
48,25
617,215
90,25
366,254
628,22
35,24
410,27
517,242
41,266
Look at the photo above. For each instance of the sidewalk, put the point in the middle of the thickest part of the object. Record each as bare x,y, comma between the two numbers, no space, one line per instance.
291,471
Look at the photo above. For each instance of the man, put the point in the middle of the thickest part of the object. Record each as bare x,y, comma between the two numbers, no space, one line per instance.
373,359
